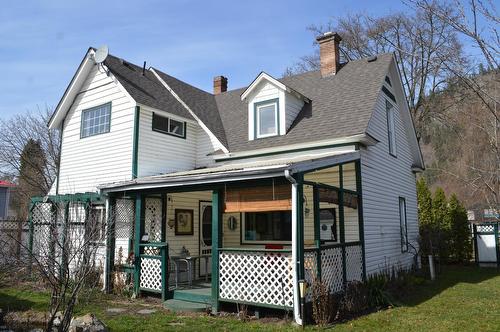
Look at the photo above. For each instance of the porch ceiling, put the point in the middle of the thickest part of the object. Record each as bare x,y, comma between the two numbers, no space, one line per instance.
234,171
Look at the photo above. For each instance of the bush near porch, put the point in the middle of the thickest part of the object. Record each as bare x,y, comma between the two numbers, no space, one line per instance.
463,298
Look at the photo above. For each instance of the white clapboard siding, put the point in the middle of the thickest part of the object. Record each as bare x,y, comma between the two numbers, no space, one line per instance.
162,153
384,179
293,107
88,162
205,147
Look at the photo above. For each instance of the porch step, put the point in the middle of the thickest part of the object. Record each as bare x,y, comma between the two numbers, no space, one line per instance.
185,306
197,295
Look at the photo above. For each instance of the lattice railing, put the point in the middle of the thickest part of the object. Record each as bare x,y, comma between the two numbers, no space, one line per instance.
354,263
262,277
331,268
152,218
150,274
153,268
485,228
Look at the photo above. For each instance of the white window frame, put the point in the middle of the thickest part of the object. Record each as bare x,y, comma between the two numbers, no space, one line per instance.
403,224
107,125
168,131
260,105
391,127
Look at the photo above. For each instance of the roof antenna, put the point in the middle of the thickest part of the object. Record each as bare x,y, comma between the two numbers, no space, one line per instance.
143,68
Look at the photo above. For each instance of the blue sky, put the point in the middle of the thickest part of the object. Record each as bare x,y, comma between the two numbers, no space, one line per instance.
42,42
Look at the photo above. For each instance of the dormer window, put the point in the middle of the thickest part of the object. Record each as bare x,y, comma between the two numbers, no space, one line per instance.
267,118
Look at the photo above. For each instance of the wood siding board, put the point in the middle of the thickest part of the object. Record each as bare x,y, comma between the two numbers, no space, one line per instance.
384,179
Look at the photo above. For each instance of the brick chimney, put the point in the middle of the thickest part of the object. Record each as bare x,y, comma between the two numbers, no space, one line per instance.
329,53
220,84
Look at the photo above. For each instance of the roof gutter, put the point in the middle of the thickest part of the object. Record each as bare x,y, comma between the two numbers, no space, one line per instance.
363,139
289,177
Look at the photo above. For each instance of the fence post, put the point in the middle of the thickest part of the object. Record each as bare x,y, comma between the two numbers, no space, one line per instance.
164,272
342,226
317,233
137,243
30,241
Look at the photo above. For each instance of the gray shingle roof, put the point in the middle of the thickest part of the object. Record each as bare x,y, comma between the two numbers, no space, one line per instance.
145,89
341,105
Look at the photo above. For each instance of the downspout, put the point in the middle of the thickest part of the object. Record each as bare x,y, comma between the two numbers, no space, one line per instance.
296,298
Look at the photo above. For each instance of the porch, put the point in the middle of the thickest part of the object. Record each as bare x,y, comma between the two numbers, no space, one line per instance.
236,235
252,239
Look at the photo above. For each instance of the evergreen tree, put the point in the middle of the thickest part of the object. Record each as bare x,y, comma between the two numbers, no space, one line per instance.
31,170
460,237
425,217
441,223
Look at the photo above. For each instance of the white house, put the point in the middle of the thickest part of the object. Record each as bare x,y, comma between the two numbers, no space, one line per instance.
302,177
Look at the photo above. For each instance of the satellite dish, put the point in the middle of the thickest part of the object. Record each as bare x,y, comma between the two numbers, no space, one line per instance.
101,54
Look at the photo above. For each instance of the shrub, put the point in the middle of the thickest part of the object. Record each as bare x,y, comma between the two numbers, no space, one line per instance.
355,298
322,303
377,290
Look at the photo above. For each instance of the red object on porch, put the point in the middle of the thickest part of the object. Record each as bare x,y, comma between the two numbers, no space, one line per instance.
274,246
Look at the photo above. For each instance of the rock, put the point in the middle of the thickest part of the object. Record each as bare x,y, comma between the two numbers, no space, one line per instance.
146,311
87,323
115,310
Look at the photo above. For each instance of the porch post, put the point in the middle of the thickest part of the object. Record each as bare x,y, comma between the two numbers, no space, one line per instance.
317,234
361,223
216,244
297,245
342,225
137,242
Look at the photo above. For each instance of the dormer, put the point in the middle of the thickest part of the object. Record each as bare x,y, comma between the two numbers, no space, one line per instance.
272,107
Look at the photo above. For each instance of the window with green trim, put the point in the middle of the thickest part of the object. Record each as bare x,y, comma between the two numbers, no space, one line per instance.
96,120
403,224
266,119
169,126
391,127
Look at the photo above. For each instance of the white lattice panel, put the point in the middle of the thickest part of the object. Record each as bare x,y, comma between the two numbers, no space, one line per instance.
331,269
354,263
485,228
310,271
256,277
150,273
152,215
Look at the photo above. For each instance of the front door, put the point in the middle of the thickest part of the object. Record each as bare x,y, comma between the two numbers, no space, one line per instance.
205,237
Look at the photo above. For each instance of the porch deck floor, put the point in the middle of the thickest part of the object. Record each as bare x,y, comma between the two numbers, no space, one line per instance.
198,293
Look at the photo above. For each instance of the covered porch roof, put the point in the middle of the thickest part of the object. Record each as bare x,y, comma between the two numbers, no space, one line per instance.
234,172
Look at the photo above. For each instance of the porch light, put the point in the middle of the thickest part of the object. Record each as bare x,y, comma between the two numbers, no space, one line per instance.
302,294
302,288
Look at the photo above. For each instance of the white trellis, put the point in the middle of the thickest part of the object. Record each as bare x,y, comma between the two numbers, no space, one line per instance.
150,274
331,268
152,218
256,277
354,263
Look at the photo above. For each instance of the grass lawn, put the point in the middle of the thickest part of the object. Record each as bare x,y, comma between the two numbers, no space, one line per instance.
462,299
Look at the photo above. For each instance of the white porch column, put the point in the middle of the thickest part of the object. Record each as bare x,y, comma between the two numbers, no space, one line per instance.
296,295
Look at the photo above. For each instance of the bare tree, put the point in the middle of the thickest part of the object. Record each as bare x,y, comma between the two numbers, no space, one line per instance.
424,46
472,107
15,134
66,254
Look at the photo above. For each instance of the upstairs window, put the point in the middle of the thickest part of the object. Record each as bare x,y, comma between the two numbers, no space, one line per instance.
403,224
169,126
96,120
391,128
266,118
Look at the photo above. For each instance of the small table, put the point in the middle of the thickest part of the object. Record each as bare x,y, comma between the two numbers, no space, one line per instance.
189,260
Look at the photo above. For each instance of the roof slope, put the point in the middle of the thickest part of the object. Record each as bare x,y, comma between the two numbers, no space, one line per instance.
341,105
145,89
200,102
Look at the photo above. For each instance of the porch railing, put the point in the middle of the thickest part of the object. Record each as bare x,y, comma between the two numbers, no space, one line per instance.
253,276
153,263
335,264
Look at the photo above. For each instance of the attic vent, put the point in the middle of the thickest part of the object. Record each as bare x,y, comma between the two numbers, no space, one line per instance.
372,58
388,80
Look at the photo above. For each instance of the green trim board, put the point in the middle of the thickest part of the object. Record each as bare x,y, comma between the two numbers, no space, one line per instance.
137,241
341,224
135,144
110,244
256,105
217,201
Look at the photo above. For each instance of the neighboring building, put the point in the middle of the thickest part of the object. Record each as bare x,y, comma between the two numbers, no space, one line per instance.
5,199
285,179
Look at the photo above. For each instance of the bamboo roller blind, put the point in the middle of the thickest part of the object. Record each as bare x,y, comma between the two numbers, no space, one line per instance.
255,199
